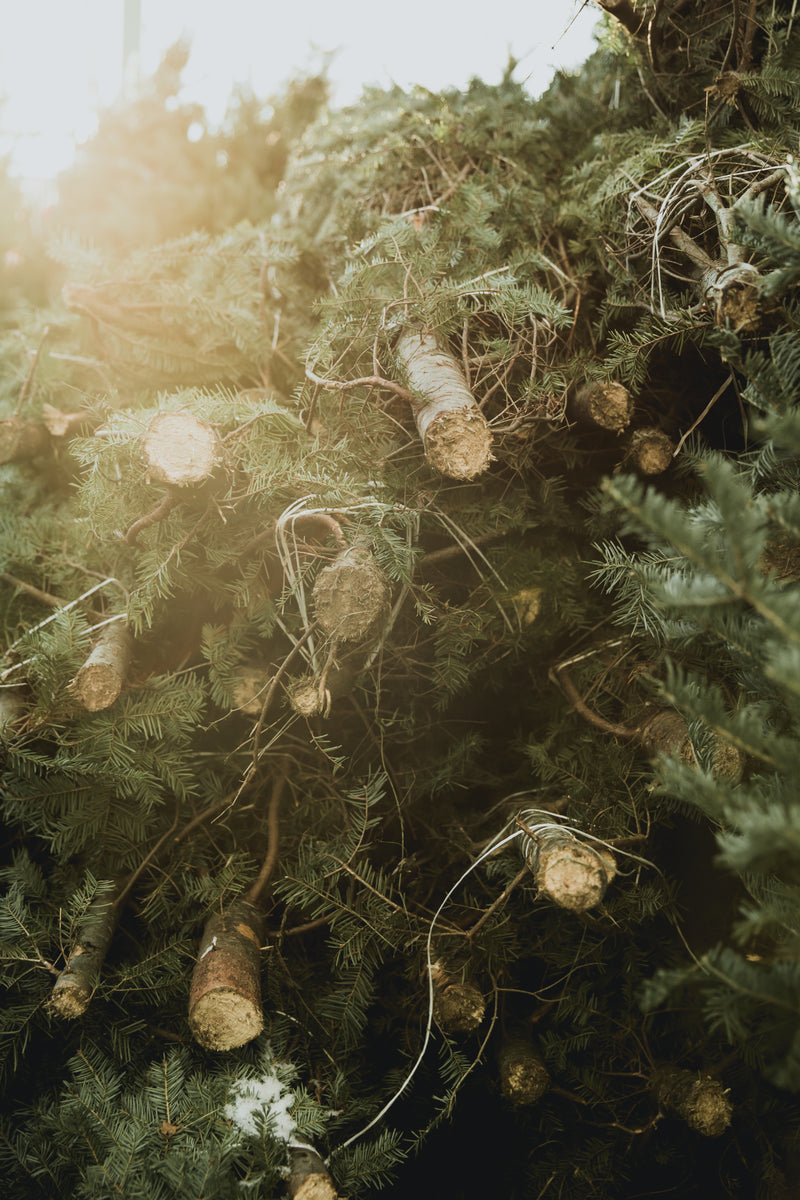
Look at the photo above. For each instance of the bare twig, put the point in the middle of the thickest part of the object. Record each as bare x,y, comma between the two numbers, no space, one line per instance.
26,387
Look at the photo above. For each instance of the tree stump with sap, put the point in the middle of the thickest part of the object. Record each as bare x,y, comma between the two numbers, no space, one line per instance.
698,1099
604,405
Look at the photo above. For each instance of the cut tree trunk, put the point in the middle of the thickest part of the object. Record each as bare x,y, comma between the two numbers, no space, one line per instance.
650,451
698,1099
101,678
351,596
604,405
21,439
225,997
309,1178
454,432
74,986
666,732
179,449
573,874
458,1007
524,1078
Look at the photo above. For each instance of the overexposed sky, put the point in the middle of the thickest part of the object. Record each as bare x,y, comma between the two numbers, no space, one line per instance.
62,59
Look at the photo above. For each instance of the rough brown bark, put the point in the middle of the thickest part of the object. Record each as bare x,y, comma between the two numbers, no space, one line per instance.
524,1078
21,439
454,432
351,596
225,997
458,1007
606,405
309,1178
179,449
650,451
573,874
698,1099
100,680
74,986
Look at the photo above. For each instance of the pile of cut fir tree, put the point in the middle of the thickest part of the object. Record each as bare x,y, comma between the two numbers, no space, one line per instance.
400,683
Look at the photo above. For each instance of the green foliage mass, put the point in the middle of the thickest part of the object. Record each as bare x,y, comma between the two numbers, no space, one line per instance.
388,802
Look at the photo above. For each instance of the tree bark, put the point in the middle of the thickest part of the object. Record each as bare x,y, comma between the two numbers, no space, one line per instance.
21,439
454,432
225,998
179,449
101,678
74,986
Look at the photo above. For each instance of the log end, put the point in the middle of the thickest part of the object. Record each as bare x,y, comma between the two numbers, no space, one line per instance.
458,444
351,596
651,451
606,405
69,1000
523,1076
708,1109
180,449
459,1008
96,686
573,875
224,1019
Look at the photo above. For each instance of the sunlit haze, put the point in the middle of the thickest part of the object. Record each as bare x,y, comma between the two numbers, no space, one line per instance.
61,60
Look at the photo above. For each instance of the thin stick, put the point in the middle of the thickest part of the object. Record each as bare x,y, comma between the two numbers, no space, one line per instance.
26,387
581,706
150,518
347,385
254,893
703,414
496,903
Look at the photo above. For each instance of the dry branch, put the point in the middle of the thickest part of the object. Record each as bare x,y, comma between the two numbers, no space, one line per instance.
101,678
454,432
179,449
666,732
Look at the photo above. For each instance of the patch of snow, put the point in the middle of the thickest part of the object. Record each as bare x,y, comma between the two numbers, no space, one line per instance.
265,1101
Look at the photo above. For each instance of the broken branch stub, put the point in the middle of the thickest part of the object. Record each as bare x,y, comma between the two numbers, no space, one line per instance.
179,449
225,997
101,678
351,596
74,986
573,874
455,434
